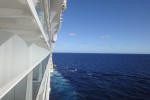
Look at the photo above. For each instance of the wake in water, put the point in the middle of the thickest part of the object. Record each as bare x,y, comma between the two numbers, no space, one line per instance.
60,88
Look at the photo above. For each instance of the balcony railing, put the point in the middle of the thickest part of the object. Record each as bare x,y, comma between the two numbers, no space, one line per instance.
20,90
43,16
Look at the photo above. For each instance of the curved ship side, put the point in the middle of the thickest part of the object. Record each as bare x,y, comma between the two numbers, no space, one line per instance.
28,31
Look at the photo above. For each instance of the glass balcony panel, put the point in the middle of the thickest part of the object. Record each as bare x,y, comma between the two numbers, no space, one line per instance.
38,73
18,92
39,6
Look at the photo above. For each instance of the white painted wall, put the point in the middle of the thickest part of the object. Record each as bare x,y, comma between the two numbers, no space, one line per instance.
14,57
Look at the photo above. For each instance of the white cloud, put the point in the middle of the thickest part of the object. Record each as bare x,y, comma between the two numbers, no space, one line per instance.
104,36
72,34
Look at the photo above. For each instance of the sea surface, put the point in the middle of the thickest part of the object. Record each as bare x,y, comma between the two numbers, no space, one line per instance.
79,76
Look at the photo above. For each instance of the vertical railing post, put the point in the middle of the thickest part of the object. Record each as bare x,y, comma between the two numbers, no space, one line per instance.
29,86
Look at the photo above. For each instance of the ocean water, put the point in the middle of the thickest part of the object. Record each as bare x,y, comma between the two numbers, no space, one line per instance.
80,76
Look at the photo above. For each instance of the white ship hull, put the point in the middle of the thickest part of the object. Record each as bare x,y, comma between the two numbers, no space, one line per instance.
28,30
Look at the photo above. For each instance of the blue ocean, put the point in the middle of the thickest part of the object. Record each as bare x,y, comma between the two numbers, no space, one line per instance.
83,76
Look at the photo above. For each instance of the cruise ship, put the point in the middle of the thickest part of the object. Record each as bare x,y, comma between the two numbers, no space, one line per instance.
28,31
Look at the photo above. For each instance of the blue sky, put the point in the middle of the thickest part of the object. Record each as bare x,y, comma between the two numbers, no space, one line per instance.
105,26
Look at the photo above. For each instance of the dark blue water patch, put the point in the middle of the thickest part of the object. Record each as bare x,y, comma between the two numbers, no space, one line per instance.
60,88
106,76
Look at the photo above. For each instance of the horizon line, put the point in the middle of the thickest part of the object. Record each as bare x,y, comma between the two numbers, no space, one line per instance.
102,53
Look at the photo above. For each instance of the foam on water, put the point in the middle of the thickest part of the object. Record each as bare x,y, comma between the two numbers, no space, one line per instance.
101,77
61,88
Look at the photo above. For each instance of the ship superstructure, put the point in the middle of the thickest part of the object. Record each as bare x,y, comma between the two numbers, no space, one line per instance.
28,30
